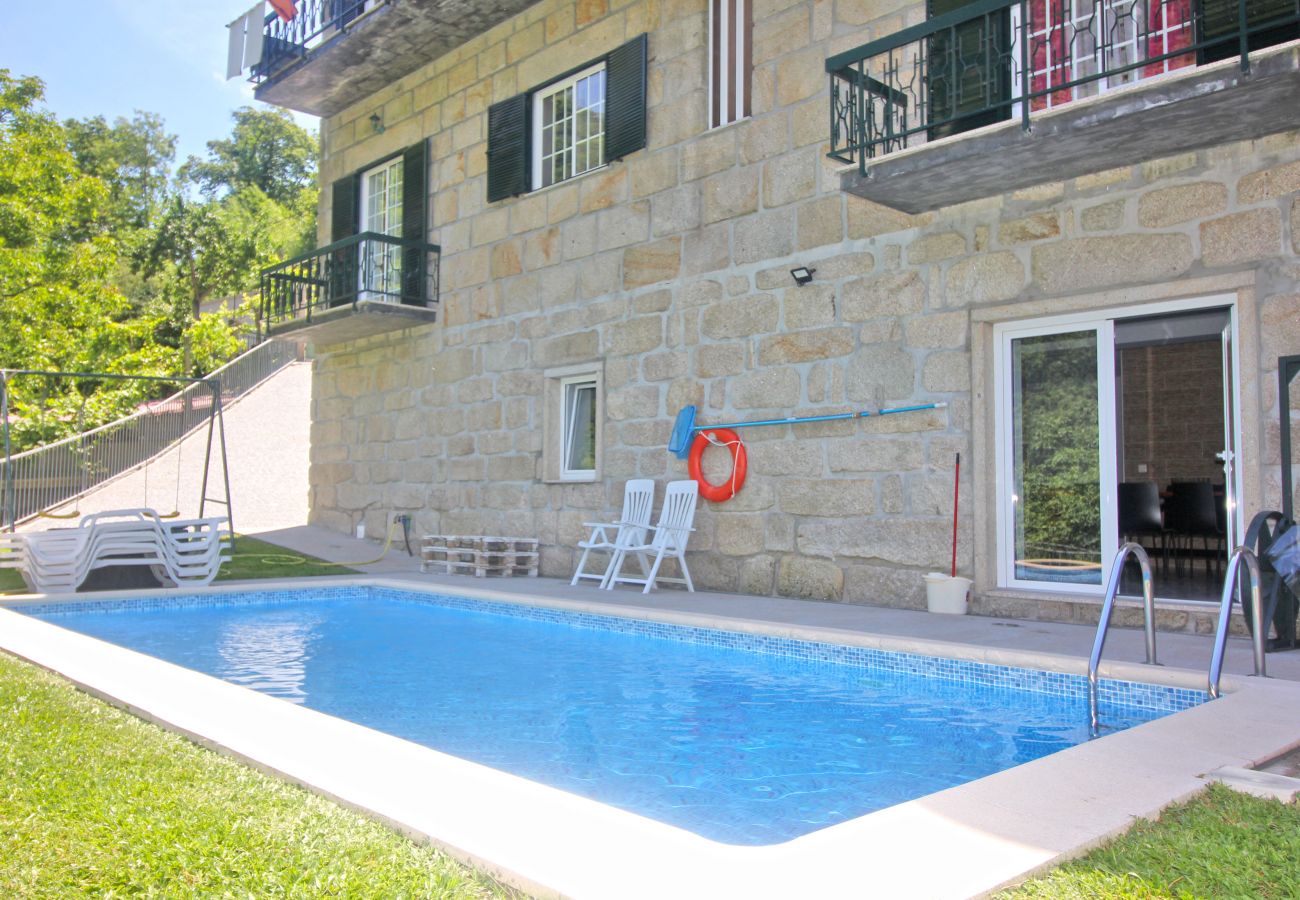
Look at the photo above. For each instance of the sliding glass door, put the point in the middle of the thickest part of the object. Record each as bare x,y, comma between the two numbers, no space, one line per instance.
1055,417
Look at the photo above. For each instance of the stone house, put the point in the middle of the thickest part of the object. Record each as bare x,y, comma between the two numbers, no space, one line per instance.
617,191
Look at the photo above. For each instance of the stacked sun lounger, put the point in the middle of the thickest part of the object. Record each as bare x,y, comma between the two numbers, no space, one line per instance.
178,551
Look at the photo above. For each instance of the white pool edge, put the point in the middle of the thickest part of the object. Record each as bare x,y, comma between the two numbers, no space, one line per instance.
962,842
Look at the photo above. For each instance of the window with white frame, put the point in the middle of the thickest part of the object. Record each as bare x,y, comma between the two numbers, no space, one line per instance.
569,127
730,47
574,409
578,451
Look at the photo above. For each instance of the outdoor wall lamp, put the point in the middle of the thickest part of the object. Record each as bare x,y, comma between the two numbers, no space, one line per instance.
376,123
802,275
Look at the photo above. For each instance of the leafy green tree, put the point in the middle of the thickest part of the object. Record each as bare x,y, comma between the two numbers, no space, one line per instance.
266,150
132,157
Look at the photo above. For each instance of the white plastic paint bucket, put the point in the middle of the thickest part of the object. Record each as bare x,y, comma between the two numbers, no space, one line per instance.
946,593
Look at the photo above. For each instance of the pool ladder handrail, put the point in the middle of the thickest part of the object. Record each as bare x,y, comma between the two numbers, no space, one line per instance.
1103,624
1259,634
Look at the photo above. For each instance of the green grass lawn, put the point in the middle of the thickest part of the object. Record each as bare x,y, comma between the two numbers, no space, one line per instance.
250,558
94,802
1222,844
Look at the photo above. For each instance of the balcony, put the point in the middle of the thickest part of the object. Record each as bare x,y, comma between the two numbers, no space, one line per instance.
1001,95
334,53
360,286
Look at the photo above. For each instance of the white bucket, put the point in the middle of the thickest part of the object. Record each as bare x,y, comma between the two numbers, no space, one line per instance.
946,593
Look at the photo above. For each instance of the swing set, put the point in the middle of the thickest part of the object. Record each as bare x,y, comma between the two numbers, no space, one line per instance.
53,480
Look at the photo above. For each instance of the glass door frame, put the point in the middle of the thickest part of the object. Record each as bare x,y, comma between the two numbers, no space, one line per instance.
1102,321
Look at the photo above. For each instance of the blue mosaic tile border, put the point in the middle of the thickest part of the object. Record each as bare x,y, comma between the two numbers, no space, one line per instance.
1111,693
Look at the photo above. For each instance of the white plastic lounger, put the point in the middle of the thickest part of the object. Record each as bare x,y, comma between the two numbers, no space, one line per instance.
638,500
671,533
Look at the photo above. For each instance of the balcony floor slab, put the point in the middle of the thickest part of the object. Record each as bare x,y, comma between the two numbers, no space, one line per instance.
1186,110
347,323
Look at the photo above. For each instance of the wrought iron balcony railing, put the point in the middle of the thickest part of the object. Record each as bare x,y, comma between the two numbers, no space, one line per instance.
993,60
364,267
314,23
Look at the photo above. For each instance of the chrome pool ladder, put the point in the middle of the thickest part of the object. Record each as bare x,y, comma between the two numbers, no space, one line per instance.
1259,633
1149,609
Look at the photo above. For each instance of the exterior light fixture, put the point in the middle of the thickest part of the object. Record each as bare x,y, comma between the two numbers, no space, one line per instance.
802,275
376,123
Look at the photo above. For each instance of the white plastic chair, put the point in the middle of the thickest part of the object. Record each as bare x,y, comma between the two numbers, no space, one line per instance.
671,533
638,501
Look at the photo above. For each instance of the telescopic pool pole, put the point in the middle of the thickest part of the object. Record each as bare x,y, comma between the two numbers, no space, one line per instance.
956,488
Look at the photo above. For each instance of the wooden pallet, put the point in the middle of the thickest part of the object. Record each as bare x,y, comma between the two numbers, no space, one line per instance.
479,555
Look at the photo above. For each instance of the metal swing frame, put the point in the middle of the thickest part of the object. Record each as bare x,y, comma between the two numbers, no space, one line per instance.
11,514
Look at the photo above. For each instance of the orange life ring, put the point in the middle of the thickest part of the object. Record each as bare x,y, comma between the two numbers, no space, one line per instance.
719,493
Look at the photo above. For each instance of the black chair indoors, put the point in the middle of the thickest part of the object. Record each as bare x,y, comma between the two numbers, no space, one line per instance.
1140,520
1191,513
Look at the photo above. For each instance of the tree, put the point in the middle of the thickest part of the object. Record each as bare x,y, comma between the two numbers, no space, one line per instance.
132,157
267,150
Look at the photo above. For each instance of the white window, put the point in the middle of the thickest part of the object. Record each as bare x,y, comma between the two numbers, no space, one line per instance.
578,452
569,127
381,213
574,410
730,41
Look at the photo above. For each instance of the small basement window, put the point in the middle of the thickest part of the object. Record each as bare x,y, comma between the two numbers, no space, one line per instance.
574,410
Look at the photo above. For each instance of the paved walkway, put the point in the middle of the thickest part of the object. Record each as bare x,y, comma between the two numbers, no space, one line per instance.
1187,651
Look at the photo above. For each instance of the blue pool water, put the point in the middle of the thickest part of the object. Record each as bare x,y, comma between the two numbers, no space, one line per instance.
689,726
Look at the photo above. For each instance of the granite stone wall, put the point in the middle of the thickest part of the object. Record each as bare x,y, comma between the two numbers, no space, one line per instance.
669,269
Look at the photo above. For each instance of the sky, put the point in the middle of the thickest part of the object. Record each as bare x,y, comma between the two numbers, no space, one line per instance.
112,57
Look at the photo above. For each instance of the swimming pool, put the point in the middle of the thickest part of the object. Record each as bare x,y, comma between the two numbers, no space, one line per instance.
741,738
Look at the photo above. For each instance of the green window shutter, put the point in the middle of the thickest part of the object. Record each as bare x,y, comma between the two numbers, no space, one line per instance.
341,265
509,167
625,92
415,194
343,220
968,70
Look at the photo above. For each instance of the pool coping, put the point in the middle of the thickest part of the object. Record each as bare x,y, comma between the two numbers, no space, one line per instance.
965,841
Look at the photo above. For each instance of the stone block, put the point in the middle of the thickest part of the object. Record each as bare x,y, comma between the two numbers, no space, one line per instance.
830,497
940,331
789,178
905,541
741,317
738,534
1104,179
1269,184
810,579
542,249
569,348
885,586
756,575
805,346
882,295
984,278
652,172
1280,327
664,366
699,293
880,374
676,210
454,365
652,302
1241,237
646,264
1295,225
767,389
810,306
1093,262
639,401
1182,203
718,360
578,237
634,336
1103,217
512,468
867,219
708,250
1155,169
730,194
764,137
821,222
794,457
946,372
1030,228
622,225
764,236
506,260
800,75
935,247
603,189
708,155
876,454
